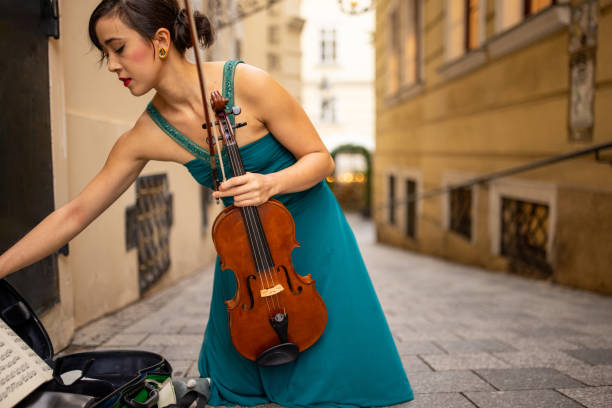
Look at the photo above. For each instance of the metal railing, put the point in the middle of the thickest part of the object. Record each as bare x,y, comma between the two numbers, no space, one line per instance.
505,173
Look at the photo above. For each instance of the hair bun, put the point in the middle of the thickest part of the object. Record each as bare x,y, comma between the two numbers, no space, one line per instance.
182,37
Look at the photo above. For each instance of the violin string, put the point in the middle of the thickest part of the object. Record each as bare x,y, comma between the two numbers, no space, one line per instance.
256,232
261,244
230,146
268,255
250,223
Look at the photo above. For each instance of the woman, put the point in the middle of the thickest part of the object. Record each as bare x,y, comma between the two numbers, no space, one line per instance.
355,362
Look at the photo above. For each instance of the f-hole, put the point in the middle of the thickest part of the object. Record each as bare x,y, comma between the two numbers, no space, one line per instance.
299,288
248,284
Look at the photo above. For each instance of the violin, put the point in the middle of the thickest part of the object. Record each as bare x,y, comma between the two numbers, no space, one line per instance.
275,313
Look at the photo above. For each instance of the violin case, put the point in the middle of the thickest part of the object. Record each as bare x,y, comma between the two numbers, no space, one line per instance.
100,379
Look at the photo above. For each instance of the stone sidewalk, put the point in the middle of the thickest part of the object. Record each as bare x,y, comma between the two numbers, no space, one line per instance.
467,337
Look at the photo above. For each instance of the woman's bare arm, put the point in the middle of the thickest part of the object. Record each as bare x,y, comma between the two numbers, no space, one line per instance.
282,115
119,172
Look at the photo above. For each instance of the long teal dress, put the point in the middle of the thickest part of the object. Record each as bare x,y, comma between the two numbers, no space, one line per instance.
355,362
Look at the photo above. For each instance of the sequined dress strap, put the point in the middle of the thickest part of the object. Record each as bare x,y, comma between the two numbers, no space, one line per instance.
175,134
229,71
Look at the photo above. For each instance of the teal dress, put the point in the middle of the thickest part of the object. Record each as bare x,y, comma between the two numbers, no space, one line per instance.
355,362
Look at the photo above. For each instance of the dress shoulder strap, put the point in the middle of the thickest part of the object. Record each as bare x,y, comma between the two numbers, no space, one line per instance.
229,70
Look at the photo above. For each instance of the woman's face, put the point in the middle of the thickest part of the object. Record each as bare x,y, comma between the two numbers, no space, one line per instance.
128,55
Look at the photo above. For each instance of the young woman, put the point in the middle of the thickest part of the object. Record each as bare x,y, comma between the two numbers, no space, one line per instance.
355,362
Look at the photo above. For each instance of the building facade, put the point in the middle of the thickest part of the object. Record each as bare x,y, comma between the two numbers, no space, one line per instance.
157,232
338,73
270,39
468,88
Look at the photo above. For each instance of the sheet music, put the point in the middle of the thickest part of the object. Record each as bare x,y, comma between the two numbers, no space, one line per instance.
21,369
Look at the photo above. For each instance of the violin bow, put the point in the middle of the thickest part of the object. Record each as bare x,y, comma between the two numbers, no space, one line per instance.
212,140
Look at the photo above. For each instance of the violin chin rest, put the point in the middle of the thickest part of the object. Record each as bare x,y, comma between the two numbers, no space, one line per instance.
278,355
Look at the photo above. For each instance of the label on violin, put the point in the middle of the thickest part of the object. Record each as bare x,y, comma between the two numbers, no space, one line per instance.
271,291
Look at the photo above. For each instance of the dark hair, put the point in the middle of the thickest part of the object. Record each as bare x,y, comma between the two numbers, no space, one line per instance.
147,16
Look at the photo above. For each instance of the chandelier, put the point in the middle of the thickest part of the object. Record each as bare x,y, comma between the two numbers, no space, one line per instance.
354,7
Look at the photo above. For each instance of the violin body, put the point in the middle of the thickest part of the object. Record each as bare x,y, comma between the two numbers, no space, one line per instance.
253,309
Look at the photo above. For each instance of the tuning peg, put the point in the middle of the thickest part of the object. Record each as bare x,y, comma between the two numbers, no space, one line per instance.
236,110
239,125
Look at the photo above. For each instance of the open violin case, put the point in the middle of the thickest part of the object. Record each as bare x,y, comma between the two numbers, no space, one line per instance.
94,379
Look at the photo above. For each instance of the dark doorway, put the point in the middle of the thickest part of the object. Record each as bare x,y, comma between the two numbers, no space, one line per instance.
26,171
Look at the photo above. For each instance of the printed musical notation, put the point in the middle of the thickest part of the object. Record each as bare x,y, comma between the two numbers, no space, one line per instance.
21,369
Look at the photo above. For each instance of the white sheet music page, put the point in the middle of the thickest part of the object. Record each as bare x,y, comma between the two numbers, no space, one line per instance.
21,369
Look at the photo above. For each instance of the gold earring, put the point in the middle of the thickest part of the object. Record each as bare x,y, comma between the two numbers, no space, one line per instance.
163,53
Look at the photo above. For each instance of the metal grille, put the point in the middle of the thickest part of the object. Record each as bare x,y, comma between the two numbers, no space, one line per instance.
148,228
461,211
525,236
206,198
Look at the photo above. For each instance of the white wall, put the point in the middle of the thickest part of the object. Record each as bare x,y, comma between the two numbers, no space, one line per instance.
350,79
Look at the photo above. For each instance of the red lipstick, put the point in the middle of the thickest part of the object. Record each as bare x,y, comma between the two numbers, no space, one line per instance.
126,81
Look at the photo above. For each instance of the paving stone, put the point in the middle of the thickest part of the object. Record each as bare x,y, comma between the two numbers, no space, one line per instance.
417,347
527,378
434,307
448,381
594,397
534,359
593,356
474,346
593,342
194,370
521,399
194,329
468,361
549,332
413,364
445,400
126,339
173,339
591,375
537,344
180,368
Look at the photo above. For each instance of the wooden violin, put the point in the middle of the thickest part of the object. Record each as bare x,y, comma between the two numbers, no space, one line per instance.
275,313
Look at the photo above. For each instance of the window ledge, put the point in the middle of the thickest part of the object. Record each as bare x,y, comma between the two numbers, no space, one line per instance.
529,31
405,92
463,64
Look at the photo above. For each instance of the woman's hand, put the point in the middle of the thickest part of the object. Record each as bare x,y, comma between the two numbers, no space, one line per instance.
250,189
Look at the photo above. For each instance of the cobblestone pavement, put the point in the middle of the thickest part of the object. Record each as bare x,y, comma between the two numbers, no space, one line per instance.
467,337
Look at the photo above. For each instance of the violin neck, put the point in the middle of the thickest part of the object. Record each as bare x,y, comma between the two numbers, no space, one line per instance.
255,232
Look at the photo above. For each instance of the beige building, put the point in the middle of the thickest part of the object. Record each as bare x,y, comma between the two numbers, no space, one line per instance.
270,40
157,232
465,89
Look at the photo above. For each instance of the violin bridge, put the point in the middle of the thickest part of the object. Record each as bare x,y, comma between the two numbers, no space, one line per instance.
271,291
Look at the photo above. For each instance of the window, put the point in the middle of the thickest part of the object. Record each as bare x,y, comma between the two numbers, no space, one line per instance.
461,211
404,45
238,48
464,26
524,236
512,12
148,226
391,204
205,200
328,46
472,23
328,110
273,34
535,6
411,208
273,62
